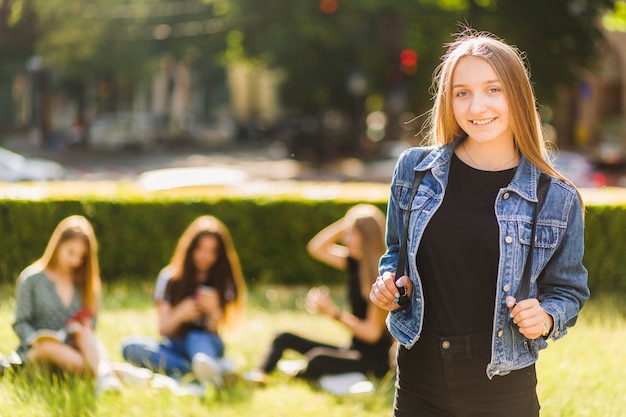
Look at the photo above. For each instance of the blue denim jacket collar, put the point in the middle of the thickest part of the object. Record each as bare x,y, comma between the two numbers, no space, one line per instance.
524,182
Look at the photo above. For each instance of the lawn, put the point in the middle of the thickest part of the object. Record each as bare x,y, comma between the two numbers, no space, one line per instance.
582,375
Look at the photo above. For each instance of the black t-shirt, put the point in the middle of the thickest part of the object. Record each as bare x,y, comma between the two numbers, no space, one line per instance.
459,253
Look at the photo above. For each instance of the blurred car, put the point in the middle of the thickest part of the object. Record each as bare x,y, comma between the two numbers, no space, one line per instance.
123,130
15,167
579,170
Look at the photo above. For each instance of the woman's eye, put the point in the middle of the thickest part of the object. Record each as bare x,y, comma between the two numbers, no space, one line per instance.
494,89
462,94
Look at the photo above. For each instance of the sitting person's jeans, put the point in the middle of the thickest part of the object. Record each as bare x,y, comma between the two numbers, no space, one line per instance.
172,356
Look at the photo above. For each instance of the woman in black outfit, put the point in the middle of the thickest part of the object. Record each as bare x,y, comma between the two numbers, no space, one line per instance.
354,244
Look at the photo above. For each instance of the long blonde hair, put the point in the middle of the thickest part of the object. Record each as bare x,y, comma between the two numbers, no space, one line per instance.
508,63
87,276
227,267
369,222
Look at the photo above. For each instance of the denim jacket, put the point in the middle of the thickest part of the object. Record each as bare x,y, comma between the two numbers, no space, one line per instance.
558,278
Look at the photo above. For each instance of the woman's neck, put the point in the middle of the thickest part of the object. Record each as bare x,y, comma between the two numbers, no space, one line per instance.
202,276
488,157
59,274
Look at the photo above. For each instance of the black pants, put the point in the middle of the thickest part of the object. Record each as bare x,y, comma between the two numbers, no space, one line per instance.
322,359
446,377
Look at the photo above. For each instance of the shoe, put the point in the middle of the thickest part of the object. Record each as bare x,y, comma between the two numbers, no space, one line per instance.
291,367
207,369
108,383
256,377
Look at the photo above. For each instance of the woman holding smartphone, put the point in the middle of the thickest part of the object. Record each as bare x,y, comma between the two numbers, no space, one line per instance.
199,294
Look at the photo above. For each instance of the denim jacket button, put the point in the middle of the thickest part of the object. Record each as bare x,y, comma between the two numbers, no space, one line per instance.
500,333
506,288
506,196
445,344
508,239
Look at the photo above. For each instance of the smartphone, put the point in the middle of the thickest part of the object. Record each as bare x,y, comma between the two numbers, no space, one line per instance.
205,290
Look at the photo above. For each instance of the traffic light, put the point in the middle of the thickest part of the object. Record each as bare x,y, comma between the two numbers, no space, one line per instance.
328,6
408,61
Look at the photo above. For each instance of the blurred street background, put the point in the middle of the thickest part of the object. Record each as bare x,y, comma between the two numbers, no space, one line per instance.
299,89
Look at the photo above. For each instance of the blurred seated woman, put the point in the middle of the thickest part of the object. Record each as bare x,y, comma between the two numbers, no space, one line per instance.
56,306
353,244
198,295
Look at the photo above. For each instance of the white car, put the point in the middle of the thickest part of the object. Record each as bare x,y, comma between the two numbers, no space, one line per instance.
579,170
15,167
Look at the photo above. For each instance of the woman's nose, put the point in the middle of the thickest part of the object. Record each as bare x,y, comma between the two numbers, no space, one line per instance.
478,104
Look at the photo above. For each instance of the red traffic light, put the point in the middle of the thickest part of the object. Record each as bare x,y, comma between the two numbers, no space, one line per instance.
328,6
408,61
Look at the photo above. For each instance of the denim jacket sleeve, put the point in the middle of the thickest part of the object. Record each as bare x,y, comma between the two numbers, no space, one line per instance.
402,323
402,174
562,285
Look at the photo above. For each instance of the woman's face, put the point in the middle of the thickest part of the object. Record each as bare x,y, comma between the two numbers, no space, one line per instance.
206,252
72,254
479,102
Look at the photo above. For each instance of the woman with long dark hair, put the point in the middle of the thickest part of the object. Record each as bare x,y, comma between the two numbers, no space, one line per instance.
199,294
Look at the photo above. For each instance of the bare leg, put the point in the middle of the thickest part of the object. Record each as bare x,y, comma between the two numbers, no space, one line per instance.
65,357
85,355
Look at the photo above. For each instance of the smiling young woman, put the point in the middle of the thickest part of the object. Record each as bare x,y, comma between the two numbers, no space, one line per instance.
468,346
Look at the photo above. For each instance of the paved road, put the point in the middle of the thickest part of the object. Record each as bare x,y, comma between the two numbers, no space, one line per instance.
254,162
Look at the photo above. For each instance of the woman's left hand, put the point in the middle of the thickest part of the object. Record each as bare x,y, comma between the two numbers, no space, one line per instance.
528,315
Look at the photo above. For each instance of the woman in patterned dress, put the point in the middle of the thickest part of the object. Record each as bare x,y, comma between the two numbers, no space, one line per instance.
60,293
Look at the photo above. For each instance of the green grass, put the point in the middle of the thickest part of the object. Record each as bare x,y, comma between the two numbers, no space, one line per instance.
582,375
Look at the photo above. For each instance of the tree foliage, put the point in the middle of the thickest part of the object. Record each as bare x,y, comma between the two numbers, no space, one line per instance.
320,50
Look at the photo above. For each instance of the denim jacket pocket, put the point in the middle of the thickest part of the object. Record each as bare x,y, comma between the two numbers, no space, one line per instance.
404,195
546,241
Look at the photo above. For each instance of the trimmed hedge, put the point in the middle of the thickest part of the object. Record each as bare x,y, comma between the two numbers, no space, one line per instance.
137,237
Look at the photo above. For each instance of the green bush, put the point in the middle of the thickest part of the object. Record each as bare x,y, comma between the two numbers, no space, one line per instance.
137,236
605,248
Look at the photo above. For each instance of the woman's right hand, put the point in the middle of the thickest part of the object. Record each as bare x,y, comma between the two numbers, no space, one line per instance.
188,310
385,290
318,301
